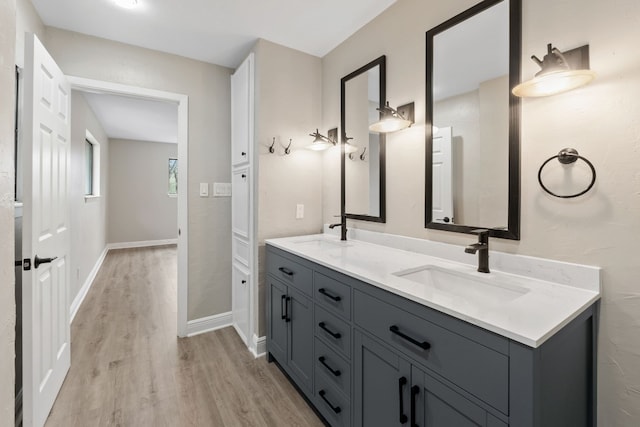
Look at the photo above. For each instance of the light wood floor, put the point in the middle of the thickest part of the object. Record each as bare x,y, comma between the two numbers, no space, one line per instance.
129,369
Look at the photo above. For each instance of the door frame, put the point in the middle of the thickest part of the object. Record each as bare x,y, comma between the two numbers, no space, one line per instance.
104,87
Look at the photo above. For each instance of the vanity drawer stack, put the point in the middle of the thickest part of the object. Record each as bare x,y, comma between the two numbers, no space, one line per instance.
367,357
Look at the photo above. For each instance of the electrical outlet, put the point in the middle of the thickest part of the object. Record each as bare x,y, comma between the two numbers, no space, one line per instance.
299,211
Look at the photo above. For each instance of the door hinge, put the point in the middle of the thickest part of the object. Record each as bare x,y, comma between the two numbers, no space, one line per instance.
26,264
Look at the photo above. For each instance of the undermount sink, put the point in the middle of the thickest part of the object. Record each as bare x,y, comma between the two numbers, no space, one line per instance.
463,286
323,244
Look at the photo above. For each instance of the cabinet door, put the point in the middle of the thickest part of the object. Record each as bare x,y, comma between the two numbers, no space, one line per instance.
240,202
277,332
382,382
240,301
300,358
241,112
436,405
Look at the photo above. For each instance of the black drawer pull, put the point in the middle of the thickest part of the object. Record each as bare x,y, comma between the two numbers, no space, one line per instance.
283,313
402,381
286,271
414,392
324,292
335,409
336,335
243,154
423,345
335,372
244,175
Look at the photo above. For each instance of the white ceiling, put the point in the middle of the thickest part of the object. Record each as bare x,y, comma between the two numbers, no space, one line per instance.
215,31
124,117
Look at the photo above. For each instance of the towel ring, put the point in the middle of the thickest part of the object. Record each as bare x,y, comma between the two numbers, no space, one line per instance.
567,156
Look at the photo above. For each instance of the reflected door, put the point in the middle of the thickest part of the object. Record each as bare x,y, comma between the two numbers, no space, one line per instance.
442,206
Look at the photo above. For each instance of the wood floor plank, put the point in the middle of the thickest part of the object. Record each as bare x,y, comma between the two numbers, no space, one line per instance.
128,368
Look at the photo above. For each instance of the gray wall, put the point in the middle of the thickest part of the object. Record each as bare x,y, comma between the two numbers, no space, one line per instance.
7,302
88,216
208,89
139,206
288,90
600,120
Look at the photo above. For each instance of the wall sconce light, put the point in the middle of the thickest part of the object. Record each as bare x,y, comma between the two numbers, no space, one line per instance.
560,72
322,142
392,120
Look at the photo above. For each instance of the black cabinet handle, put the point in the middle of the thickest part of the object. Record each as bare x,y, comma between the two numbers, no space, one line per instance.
336,335
402,381
243,281
286,309
335,409
283,313
286,271
243,175
423,345
243,154
335,372
37,261
414,392
324,292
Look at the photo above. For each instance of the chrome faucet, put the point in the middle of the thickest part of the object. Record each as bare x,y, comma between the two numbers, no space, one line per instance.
343,227
482,248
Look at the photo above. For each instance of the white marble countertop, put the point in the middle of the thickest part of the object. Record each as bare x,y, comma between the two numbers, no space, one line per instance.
525,309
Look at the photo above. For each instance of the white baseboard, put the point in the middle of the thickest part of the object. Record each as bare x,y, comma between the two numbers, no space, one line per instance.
142,244
84,290
208,324
258,346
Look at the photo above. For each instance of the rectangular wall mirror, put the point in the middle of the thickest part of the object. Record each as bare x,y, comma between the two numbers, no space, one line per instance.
473,121
363,160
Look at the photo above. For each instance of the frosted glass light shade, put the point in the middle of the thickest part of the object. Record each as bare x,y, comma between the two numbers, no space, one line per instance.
553,83
390,124
127,4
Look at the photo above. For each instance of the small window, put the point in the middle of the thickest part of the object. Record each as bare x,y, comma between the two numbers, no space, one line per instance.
91,166
173,177
88,155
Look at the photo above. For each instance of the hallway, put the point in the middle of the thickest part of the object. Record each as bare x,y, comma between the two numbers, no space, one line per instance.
129,369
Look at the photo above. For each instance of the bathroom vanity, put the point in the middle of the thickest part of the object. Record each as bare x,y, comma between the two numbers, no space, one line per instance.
377,336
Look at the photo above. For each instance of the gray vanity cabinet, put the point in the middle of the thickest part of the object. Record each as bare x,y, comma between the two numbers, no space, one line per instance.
290,331
367,357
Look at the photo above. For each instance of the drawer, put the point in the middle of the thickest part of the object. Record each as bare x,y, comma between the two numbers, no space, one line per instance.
333,367
241,250
290,272
335,331
332,404
333,295
481,371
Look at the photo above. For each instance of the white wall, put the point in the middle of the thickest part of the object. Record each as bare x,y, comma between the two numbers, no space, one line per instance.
287,105
7,275
140,208
600,120
88,216
208,88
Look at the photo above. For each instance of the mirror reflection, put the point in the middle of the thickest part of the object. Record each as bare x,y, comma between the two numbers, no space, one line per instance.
362,95
471,136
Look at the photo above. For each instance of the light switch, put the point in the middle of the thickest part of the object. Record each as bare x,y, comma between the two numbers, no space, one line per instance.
299,211
204,189
221,189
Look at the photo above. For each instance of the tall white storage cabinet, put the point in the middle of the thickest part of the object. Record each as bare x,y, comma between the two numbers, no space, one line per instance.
242,200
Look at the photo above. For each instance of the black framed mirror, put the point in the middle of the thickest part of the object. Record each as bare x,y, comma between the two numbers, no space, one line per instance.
473,121
362,167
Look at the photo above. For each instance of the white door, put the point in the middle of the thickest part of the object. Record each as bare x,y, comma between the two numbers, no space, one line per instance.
241,112
442,177
240,202
45,287
240,301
